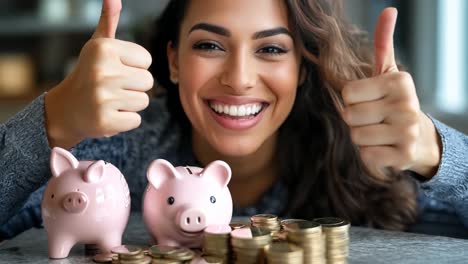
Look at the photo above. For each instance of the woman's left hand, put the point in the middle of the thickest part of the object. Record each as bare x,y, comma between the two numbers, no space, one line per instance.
384,115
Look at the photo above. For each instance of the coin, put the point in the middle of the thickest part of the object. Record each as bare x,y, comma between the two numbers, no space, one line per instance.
181,254
103,257
157,251
248,243
126,250
283,253
336,233
144,260
266,221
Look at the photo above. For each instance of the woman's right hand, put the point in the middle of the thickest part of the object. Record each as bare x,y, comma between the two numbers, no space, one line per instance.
106,89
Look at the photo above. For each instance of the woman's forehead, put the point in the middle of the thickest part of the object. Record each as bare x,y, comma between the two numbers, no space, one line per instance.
237,15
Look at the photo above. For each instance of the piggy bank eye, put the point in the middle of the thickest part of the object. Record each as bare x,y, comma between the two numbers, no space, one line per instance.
52,196
213,199
170,200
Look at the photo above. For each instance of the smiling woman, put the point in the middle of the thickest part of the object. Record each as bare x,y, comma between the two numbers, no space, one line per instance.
233,58
288,93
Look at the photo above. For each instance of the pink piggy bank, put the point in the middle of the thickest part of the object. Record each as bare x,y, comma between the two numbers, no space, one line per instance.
84,202
181,201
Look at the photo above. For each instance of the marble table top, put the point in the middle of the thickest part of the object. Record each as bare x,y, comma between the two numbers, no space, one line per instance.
366,246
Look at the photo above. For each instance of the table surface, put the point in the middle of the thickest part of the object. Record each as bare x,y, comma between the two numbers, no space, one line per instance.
366,246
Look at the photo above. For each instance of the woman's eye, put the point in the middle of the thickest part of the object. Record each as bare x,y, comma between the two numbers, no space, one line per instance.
207,46
272,50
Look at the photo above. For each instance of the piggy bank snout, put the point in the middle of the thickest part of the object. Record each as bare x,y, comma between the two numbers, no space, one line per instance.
192,220
75,202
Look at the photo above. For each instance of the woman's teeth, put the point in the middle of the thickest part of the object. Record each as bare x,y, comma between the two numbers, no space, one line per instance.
237,110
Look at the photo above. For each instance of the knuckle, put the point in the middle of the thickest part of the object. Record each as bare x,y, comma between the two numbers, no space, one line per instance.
103,48
410,111
346,93
136,122
146,100
408,154
404,81
149,79
143,100
149,59
411,134
98,47
97,74
355,134
100,96
100,122
347,115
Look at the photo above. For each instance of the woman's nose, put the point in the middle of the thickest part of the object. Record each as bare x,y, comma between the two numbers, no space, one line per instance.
239,71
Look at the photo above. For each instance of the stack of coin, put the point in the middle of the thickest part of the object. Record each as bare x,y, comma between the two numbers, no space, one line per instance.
308,236
216,241
283,253
127,254
336,239
266,221
248,244
172,255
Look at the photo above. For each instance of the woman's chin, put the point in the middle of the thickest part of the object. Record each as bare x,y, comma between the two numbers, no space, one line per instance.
234,149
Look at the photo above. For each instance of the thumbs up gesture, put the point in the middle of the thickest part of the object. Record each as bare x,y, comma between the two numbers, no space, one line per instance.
384,115
102,94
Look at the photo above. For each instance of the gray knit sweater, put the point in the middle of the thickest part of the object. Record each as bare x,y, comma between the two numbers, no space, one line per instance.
25,153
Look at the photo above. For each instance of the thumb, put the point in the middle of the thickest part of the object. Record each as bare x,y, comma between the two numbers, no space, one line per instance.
383,42
109,20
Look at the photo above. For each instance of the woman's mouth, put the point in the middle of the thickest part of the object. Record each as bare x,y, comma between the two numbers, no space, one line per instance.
237,117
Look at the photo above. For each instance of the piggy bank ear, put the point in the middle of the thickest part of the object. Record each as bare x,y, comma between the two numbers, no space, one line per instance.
218,171
62,160
95,172
160,171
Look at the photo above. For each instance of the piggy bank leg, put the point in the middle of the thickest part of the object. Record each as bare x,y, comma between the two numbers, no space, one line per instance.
110,241
59,246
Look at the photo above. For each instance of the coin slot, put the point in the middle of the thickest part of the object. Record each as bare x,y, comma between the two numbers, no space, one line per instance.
188,169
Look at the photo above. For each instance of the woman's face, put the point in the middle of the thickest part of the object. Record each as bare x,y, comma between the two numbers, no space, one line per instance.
237,69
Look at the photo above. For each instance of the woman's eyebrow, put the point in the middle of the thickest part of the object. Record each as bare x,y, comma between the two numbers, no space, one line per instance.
211,28
219,30
271,32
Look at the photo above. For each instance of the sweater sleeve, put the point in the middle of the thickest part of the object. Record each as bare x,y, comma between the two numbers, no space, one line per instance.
25,166
450,183
24,158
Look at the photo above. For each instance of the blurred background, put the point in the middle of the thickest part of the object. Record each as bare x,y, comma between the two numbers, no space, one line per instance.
41,39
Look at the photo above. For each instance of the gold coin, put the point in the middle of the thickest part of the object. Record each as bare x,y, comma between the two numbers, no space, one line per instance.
126,250
103,257
237,225
297,225
145,260
161,250
181,254
212,259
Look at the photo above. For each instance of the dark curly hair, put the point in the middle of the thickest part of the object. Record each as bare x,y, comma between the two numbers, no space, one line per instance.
317,159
